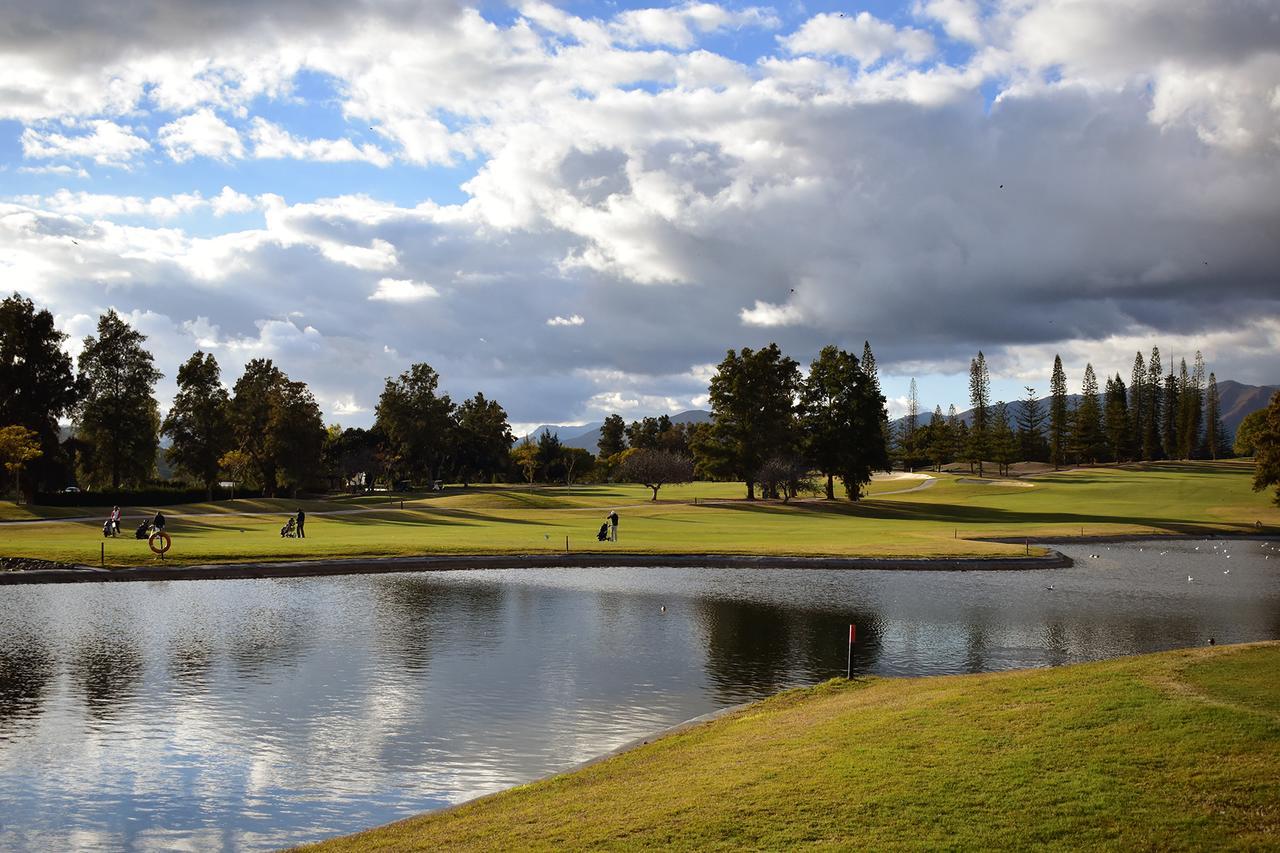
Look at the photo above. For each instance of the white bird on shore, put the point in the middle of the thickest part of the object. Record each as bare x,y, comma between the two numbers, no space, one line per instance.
1227,572
1190,579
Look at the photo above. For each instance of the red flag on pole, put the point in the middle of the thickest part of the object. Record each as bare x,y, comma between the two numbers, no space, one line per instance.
852,633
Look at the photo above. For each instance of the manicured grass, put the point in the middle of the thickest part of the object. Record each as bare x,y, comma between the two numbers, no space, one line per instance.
947,519
1171,751
10,511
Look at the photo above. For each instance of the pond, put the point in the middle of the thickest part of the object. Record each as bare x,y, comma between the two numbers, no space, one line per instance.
250,715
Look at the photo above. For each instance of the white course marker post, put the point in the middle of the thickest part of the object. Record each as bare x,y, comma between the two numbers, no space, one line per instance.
848,666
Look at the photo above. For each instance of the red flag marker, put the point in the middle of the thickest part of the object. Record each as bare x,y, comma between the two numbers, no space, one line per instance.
848,667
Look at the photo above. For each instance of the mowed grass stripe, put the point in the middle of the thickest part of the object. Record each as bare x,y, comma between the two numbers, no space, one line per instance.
948,519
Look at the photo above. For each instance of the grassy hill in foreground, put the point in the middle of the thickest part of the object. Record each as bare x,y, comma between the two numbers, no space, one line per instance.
1178,750
948,518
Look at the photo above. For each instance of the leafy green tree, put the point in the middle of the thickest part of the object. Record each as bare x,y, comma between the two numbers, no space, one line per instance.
841,418
417,422
277,425
298,433
612,437
1059,415
18,446
550,456
979,446
1266,449
37,386
484,437
118,415
1031,416
238,467
199,422
253,401
654,468
1246,442
524,457
753,413
352,457
1115,419
577,463
643,434
1088,439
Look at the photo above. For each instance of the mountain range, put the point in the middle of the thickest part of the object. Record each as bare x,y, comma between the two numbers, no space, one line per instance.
1237,401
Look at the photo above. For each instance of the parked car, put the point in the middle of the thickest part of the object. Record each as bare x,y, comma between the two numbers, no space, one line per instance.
70,490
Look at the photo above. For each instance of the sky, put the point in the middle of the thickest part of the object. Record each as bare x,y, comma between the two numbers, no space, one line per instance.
577,208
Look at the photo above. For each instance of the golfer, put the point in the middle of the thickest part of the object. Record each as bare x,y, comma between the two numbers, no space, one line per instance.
613,525
302,517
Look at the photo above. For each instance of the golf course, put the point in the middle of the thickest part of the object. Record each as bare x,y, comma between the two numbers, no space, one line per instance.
934,515
1100,755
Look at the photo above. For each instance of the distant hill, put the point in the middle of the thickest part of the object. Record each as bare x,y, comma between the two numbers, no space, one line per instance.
1238,401
587,436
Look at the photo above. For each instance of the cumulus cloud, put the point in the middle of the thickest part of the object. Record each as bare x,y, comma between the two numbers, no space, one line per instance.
402,290
106,143
201,134
862,37
1119,188
270,141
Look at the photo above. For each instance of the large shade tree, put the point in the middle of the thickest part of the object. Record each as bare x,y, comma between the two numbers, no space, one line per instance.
417,421
277,425
753,395
842,418
199,422
483,438
37,386
1266,449
119,415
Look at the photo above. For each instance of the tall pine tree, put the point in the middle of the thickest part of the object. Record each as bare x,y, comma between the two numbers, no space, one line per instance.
1116,424
1031,416
1138,406
1087,438
1152,443
1215,434
980,399
1059,415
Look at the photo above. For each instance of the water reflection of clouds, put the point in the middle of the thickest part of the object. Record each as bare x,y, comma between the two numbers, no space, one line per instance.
251,715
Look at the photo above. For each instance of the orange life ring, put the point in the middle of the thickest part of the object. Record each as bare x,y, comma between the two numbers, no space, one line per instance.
160,542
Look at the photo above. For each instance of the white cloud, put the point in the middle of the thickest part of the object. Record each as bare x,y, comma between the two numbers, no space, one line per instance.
403,290
766,314
270,141
571,320
230,201
107,144
69,171
201,134
864,37
680,26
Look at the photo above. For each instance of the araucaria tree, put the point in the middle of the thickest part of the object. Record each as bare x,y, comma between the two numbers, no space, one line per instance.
1266,449
199,423
1215,434
1088,440
1115,418
416,421
842,414
1059,424
1031,416
37,386
980,399
753,413
1152,447
119,415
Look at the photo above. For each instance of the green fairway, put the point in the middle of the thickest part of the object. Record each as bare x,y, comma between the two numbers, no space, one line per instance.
947,518
1171,751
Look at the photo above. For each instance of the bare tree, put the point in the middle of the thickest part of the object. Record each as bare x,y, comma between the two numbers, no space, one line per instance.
656,468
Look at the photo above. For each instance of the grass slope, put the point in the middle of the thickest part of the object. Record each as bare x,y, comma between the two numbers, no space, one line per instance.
946,519
1170,751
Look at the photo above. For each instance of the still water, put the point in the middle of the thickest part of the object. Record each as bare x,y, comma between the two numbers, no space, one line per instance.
250,715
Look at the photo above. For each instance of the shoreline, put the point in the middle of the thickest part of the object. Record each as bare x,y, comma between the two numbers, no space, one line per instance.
388,565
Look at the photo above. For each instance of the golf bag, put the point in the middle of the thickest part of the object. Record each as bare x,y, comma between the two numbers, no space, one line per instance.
288,531
143,531
108,529
604,532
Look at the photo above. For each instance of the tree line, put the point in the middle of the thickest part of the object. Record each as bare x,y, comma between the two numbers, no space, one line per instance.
1155,416
266,433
